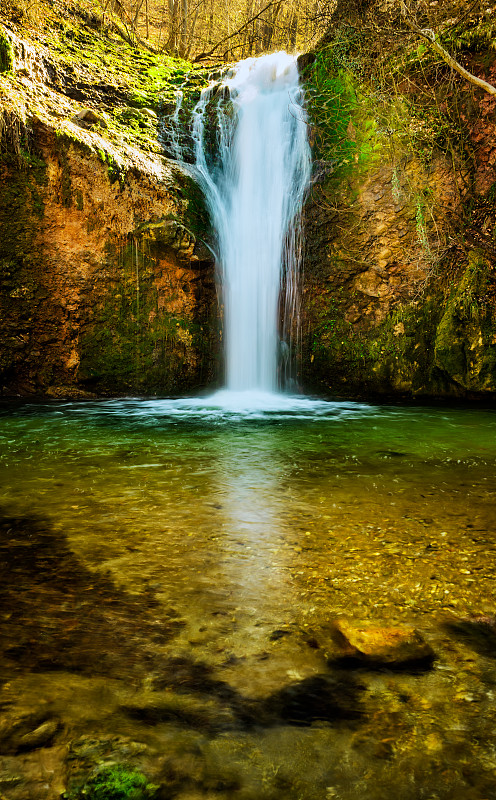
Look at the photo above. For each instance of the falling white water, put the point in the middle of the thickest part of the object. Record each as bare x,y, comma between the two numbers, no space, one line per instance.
255,190
175,143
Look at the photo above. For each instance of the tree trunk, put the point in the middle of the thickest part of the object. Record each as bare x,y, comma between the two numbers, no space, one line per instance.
246,51
172,42
183,45
293,29
192,32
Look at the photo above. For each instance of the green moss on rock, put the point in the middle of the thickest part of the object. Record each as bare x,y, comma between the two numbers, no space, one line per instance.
131,342
465,344
393,357
6,54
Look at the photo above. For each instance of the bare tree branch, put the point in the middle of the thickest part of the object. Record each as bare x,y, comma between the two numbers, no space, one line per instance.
226,38
430,36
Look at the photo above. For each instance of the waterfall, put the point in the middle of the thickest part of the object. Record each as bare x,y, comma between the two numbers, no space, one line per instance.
254,181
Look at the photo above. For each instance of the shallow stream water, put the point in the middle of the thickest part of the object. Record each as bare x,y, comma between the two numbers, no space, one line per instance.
171,572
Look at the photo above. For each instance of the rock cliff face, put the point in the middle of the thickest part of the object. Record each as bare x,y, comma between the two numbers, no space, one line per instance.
107,277
107,284
400,275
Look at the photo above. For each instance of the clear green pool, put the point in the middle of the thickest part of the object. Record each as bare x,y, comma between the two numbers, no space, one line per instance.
171,569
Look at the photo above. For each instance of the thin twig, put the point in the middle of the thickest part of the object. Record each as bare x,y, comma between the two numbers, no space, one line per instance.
226,38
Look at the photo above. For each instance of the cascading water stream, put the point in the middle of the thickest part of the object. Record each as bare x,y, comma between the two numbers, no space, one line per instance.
255,186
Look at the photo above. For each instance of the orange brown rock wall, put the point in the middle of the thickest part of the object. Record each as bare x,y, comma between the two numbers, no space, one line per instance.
399,288
105,287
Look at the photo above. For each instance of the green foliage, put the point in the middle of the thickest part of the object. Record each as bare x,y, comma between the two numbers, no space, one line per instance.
421,228
479,38
331,103
334,338
31,160
344,132
380,107
395,186
420,119
344,51
397,353
418,75
115,783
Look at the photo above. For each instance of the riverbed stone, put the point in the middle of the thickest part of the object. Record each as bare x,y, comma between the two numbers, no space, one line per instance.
478,632
160,707
26,729
380,646
40,736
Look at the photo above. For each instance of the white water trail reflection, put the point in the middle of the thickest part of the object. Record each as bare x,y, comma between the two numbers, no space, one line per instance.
253,557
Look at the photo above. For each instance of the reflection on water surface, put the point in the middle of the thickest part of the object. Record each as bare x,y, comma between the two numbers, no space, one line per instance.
172,568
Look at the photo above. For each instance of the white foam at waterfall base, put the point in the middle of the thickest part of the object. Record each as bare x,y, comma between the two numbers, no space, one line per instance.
255,192
224,406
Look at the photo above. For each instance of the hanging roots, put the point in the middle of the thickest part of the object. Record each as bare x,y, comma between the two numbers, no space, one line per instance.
12,132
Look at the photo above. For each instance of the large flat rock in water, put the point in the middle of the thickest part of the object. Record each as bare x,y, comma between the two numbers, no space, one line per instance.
380,646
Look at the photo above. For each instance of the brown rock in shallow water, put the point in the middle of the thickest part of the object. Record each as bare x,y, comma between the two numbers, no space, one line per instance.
26,730
478,632
40,737
381,646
